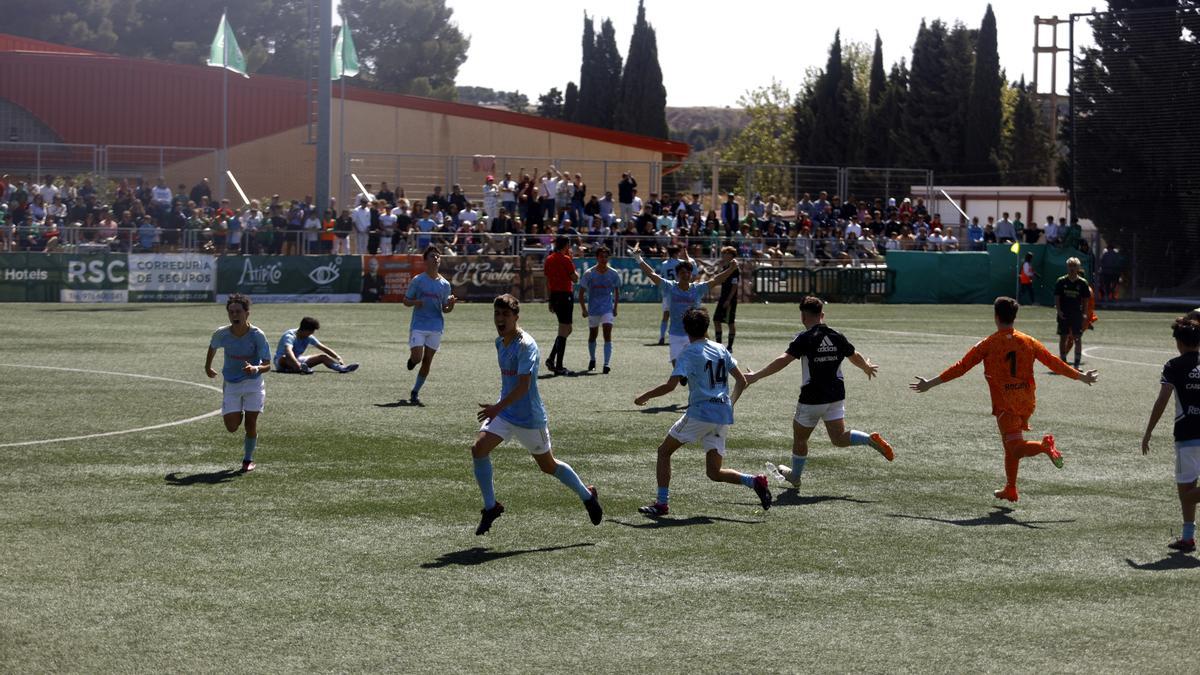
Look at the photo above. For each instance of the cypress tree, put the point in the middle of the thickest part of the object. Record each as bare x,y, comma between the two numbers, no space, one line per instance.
642,102
1027,148
837,108
571,102
878,77
960,65
982,137
875,130
589,86
608,77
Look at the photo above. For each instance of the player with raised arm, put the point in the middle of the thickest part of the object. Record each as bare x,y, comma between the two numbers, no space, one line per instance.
1008,357
820,350
728,302
682,295
667,271
247,357
289,353
1181,376
706,366
519,414
1071,293
429,296
599,294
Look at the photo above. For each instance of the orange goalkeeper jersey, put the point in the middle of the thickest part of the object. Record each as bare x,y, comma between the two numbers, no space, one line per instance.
1008,357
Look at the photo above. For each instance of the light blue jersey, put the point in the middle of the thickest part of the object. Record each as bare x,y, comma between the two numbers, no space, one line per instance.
251,348
298,344
706,365
520,357
600,288
681,301
433,294
667,271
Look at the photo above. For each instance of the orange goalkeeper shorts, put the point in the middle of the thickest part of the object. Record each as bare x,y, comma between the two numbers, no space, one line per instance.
1011,425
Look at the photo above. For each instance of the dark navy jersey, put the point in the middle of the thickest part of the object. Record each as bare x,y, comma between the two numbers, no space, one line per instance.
820,351
1072,295
729,287
1183,373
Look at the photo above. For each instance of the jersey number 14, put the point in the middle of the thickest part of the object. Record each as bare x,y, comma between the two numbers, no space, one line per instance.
716,372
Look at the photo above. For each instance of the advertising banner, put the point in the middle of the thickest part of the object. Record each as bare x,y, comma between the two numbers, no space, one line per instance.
635,286
30,277
480,278
386,277
318,278
172,277
95,278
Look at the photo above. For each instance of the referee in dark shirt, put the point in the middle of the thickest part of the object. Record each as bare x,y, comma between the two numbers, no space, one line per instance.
560,278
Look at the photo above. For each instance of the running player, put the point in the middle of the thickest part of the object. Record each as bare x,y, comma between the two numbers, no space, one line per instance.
706,366
728,302
247,357
681,296
599,294
1007,357
289,354
1070,301
1181,375
560,275
667,271
519,414
429,294
821,350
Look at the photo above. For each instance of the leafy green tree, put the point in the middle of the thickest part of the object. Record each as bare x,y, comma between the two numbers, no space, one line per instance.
642,101
768,138
982,138
1027,149
835,136
404,42
550,104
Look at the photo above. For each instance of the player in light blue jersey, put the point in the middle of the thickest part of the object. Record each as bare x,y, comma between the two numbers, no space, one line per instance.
599,294
429,294
247,357
519,414
289,353
675,255
681,295
706,366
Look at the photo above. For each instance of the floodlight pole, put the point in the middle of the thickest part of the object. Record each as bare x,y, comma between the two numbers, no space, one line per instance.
224,164
324,104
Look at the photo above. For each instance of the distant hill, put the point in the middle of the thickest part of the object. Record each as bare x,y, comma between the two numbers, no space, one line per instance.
705,128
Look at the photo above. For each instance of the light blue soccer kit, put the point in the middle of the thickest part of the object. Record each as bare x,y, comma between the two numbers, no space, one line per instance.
242,392
601,288
678,302
298,344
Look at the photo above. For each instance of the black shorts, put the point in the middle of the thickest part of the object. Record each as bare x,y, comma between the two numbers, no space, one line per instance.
562,303
726,313
1071,325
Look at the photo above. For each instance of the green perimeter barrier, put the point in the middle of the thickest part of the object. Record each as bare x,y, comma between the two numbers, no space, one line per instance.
963,277
837,284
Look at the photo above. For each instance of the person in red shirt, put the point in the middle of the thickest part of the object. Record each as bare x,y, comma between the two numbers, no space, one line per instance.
560,278
1007,357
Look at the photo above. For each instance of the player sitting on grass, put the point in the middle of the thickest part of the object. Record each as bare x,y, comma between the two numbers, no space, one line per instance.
519,414
289,354
1007,357
247,357
707,367
599,293
1181,375
821,350
429,295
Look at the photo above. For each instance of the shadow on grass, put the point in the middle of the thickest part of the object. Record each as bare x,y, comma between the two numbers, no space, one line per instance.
651,410
1000,515
654,344
792,497
211,478
481,554
657,523
402,403
1174,561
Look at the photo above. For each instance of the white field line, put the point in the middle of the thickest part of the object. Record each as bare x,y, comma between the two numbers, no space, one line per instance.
113,433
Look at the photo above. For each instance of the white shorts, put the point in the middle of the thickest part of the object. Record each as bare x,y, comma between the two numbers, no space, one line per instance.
249,395
431,339
710,434
595,320
808,415
677,343
281,364
1187,462
536,441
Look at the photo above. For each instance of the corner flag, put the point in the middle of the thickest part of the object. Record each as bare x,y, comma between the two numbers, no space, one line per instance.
1016,247
345,57
225,52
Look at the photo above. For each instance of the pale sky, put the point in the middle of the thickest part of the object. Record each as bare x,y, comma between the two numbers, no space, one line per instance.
710,57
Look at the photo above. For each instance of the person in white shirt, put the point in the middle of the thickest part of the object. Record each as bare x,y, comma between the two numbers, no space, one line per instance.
469,215
491,198
949,241
854,228
387,229
548,194
1052,233
361,215
48,190
160,199
508,194
312,232
635,205
935,240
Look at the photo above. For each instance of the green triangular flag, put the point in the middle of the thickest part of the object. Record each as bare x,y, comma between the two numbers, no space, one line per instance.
225,52
345,57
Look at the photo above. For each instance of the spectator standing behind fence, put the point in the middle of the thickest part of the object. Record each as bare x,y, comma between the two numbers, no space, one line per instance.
491,197
1005,232
361,215
1052,234
1032,233
160,198
508,194
975,235
625,196
729,214
1026,277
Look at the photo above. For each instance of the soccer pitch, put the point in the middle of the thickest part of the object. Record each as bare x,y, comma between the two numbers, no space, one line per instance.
352,547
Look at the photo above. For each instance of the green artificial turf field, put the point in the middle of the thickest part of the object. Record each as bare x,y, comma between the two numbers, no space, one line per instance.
352,546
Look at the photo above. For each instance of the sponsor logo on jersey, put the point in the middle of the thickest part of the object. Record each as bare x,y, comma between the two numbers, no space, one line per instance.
827,345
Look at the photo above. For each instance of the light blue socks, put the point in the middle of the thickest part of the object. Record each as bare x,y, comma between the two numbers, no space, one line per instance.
746,479
798,462
592,351
663,495
607,352
1189,531
483,476
567,476
859,438
419,384
662,331
248,446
